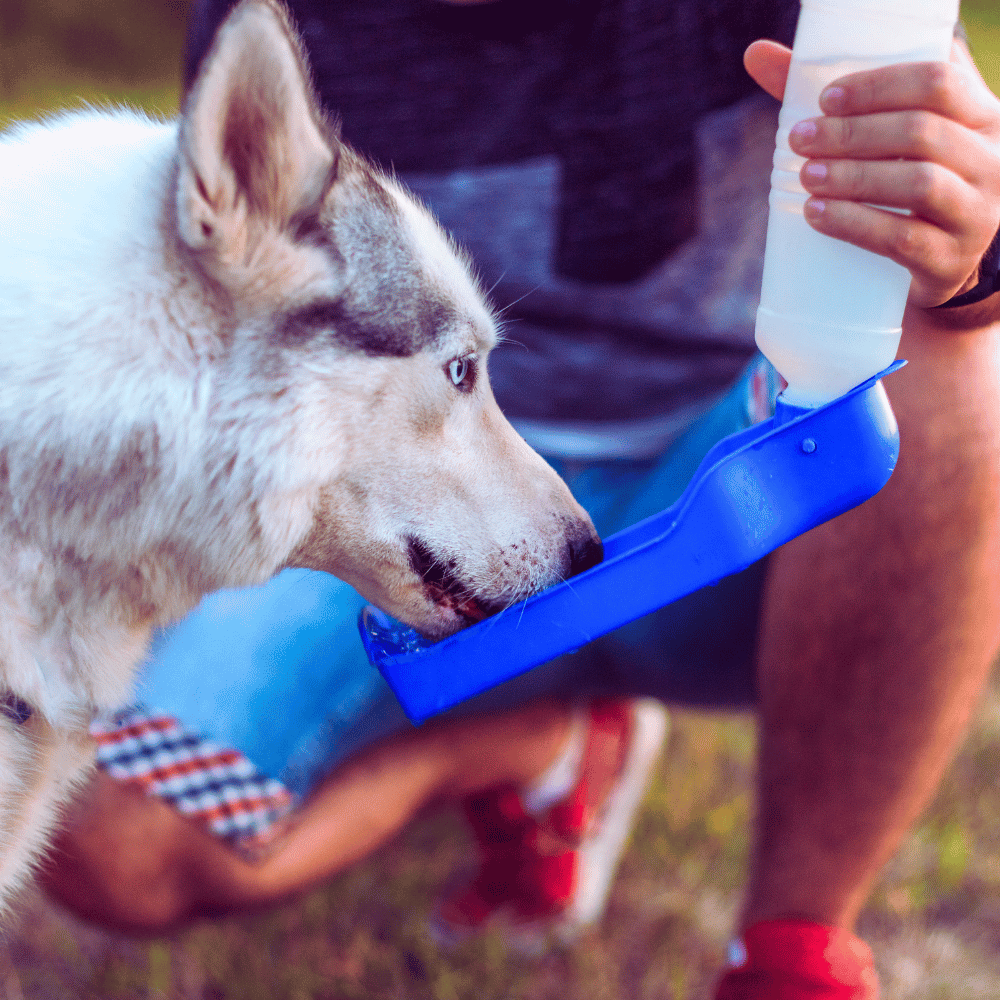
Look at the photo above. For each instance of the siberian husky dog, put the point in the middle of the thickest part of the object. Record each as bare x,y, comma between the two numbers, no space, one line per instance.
229,345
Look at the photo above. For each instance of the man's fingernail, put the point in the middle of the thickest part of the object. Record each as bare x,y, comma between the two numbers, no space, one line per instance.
805,130
833,99
814,209
816,171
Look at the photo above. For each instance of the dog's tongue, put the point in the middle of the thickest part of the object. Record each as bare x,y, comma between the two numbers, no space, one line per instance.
470,608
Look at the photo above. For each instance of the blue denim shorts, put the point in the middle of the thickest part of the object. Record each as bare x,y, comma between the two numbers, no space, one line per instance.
278,672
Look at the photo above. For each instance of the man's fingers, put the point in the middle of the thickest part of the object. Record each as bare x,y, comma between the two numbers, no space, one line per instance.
918,137
910,241
951,90
767,62
931,192
913,135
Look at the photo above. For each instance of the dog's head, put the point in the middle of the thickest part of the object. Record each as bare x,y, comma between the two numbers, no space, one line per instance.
379,452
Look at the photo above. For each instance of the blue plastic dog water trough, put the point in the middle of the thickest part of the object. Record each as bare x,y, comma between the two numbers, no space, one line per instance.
754,491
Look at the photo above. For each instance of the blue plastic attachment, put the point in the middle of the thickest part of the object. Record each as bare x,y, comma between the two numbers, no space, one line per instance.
755,490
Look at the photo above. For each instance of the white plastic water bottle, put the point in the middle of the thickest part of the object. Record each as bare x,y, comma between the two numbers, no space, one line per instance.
830,313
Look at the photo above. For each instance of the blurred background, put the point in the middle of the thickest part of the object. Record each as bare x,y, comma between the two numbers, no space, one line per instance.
934,918
54,52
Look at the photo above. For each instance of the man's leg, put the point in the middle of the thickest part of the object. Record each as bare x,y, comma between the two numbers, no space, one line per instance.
128,860
878,633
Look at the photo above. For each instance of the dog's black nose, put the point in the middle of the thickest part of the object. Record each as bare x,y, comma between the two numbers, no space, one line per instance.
584,552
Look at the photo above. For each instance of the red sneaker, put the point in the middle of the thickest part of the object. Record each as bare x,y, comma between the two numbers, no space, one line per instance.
549,876
798,960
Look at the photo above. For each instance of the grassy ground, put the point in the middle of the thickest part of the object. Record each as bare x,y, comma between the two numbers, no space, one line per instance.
934,918
982,21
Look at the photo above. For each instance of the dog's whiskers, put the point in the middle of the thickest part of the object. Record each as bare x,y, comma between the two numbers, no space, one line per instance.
493,287
520,298
502,337
565,580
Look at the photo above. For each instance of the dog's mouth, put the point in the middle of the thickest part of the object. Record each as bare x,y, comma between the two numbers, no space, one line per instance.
443,587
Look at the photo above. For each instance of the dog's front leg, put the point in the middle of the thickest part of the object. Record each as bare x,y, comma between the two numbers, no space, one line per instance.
41,766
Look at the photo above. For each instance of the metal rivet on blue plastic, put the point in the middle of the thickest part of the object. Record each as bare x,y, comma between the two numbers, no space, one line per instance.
808,445
750,494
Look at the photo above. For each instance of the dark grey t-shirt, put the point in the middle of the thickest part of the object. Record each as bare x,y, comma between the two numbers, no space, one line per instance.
605,162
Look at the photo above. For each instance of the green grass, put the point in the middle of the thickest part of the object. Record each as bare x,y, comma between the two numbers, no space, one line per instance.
55,53
934,917
982,22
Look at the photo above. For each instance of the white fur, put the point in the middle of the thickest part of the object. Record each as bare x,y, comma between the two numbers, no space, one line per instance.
162,434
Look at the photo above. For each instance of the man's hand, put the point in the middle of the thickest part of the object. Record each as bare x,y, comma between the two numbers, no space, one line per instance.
923,137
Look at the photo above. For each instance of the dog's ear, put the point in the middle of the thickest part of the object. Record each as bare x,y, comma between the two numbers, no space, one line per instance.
254,147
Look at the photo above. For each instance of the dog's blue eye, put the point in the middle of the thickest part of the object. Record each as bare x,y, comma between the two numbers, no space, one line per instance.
462,372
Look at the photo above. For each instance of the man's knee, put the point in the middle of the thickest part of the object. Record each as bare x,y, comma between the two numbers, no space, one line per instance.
117,860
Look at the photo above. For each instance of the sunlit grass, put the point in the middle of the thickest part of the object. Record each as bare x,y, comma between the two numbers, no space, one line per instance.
982,22
159,100
934,918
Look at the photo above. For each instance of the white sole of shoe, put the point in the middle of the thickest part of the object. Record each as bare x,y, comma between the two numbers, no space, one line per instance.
600,854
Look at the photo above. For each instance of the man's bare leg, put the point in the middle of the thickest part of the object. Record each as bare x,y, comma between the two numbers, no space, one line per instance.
130,861
878,633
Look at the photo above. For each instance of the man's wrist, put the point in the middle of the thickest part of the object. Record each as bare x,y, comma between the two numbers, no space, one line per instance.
988,283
